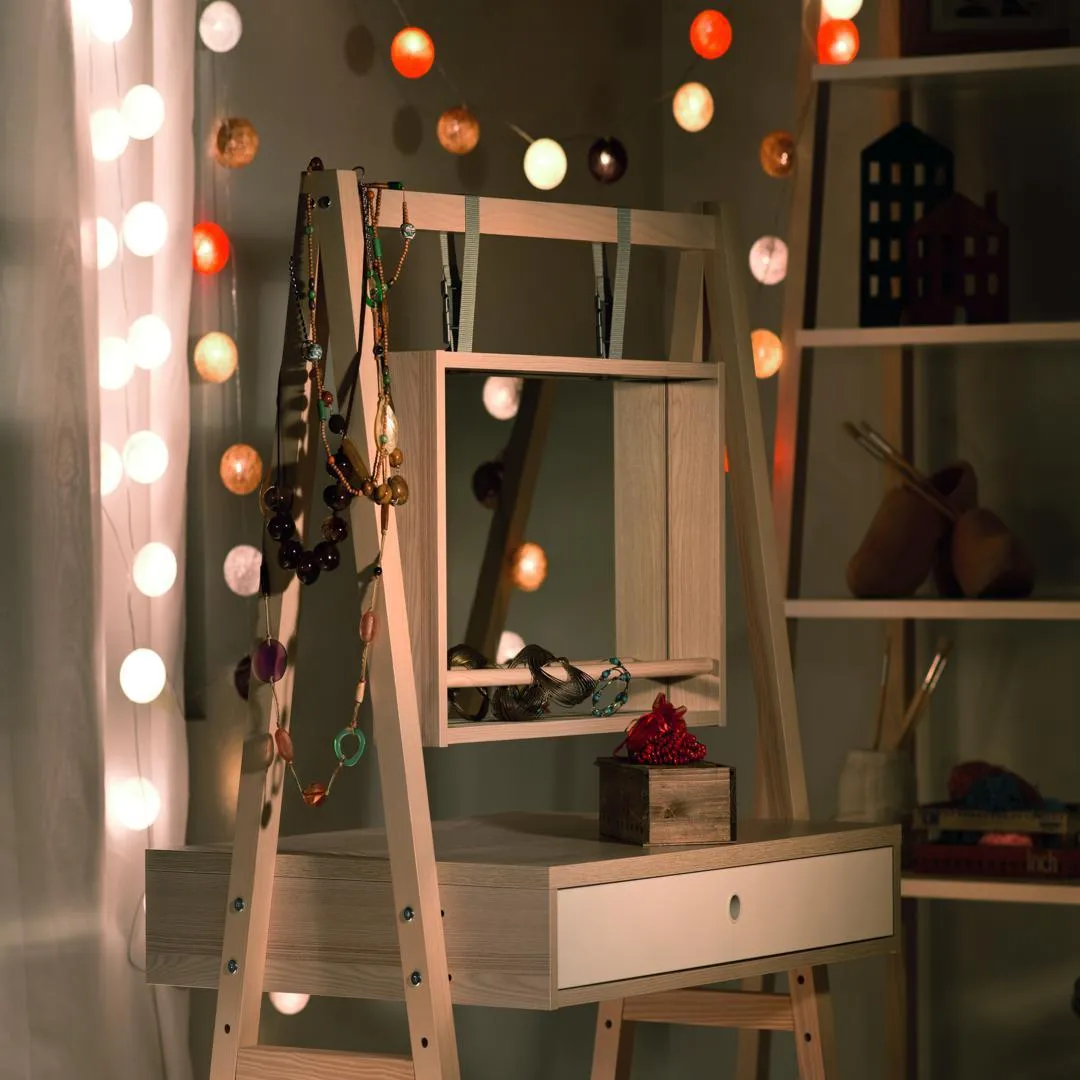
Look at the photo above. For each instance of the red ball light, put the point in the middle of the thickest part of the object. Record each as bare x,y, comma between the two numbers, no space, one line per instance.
837,42
412,52
710,34
209,247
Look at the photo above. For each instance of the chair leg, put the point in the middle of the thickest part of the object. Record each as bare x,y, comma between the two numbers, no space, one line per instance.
613,1050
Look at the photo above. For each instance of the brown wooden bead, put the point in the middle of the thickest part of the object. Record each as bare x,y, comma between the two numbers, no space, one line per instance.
369,626
383,495
283,742
315,794
397,456
399,490
368,487
327,398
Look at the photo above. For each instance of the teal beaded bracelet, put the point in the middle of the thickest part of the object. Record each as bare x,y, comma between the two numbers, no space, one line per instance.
608,676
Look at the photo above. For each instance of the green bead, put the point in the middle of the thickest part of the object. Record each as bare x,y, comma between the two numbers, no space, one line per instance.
378,248
383,440
614,660
605,673
324,411
308,230
357,754
311,294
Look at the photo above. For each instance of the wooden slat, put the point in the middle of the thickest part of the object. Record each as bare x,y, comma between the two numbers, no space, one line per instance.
639,669
714,1008
391,673
815,1034
995,610
258,805
290,1063
464,731
925,887
576,366
613,1050
436,212
845,337
688,310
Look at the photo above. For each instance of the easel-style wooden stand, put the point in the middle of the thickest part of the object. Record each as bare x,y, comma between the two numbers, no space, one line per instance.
528,910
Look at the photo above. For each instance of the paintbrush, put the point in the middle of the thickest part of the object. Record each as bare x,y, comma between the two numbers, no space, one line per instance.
921,699
879,726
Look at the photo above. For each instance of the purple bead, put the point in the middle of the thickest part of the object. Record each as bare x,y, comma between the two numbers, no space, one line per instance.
280,527
289,554
269,661
336,497
327,555
307,569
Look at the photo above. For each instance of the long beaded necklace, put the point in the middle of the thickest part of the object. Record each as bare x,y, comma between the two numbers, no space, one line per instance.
353,479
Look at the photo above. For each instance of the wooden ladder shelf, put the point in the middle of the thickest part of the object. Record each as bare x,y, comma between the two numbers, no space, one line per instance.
525,910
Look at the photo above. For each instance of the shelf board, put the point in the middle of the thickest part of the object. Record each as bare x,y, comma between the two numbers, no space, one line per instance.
456,678
929,887
577,366
485,731
1013,610
864,337
919,72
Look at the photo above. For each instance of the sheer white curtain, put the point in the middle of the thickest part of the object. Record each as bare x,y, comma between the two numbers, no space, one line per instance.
74,1004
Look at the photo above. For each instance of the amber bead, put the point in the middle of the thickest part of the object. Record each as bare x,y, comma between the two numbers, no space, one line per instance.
396,457
327,555
383,495
283,742
315,794
399,490
334,529
335,497
327,398
368,487
369,626
307,568
280,527
289,554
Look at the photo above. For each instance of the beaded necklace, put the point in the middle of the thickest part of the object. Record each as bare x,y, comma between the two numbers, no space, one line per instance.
382,485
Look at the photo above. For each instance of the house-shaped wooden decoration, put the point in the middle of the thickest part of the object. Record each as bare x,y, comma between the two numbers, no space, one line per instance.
905,174
958,264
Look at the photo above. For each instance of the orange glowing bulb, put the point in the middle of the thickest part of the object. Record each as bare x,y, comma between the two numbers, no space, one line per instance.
768,353
412,52
209,247
710,34
726,469
837,42
529,567
241,469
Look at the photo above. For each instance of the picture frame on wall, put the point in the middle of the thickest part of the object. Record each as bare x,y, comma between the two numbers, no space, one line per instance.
933,27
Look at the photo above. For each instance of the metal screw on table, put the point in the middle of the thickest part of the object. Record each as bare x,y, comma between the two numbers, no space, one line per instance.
416,978
232,967
238,904
408,914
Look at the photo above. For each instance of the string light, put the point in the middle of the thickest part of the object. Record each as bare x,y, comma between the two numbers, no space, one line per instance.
545,164
146,457
289,1004
502,396
838,42
143,111
209,247
842,9
458,130
150,342
154,569
242,569
220,26
108,135
768,353
241,469
710,34
510,644
112,468
216,356
777,154
108,243
142,676
768,260
412,52
528,567
145,229
692,106
110,20
115,365
134,803
236,142
608,160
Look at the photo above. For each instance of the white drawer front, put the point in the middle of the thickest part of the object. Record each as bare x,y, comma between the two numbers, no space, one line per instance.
628,929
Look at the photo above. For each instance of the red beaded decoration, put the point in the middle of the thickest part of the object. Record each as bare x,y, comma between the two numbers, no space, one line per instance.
660,737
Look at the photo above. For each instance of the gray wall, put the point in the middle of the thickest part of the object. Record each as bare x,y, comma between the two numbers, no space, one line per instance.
316,80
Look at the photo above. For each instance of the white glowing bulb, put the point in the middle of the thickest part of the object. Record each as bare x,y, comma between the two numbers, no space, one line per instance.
115,365
150,342
146,457
841,9
502,396
110,20
289,1004
692,106
143,111
108,243
510,644
142,676
112,468
768,260
108,136
134,803
145,229
545,164
154,569
242,569
220,26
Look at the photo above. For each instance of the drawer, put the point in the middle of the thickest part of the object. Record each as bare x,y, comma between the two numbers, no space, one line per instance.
629,929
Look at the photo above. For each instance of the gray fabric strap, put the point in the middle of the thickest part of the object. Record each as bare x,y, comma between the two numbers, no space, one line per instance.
447,292
468,274
599,279
619,290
